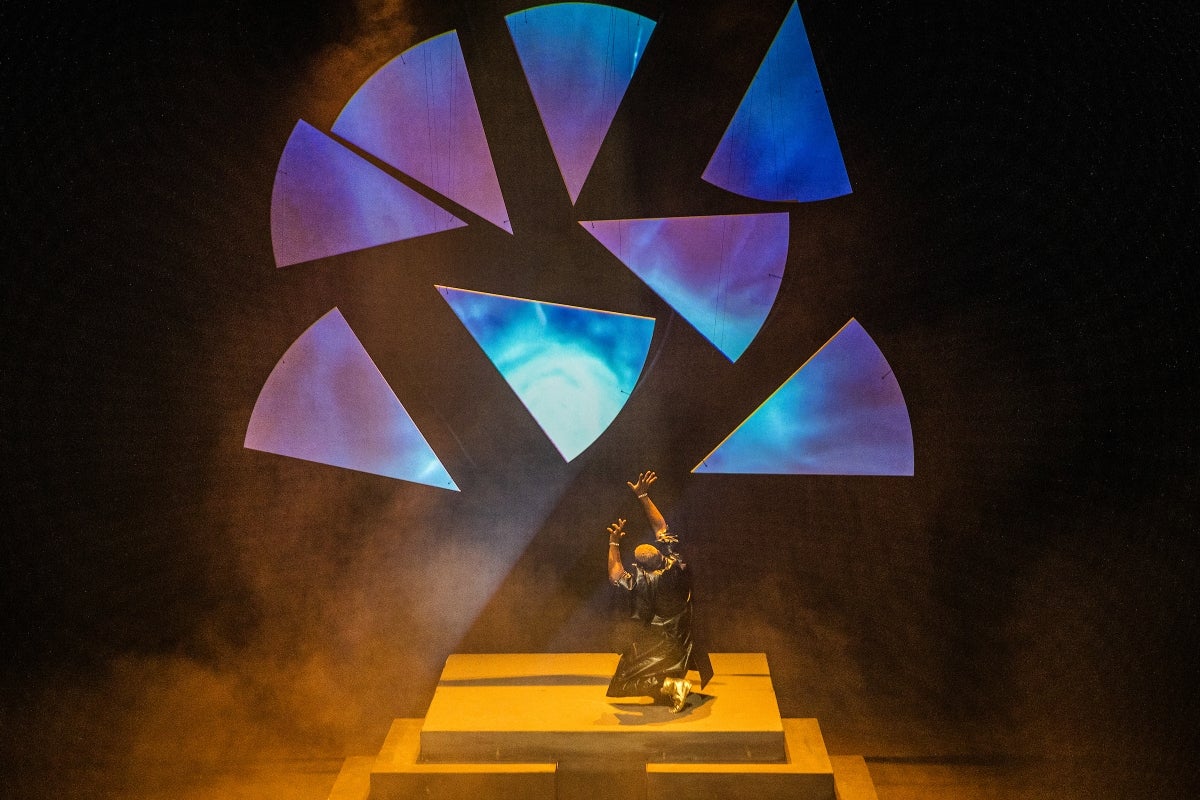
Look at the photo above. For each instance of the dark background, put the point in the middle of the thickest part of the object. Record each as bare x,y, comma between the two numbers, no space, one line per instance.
1019,243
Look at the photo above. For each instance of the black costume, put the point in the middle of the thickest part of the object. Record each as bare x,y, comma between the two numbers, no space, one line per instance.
663,646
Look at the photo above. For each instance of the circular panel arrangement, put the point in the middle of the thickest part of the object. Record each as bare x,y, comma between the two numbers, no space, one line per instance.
416,123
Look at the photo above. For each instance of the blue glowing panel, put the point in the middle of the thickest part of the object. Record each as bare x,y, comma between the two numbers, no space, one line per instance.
327,402
573,368
841,413
780,144
578,59
418,114
327,200
720,273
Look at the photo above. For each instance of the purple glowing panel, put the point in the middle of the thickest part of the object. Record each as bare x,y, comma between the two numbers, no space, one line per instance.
720,273
841,413
578,59
327,402
329,201
781,144
418,114
572,368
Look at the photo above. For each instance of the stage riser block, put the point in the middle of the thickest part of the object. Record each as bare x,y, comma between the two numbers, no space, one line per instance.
550,710
593,783
852,781
807,775
354,780
551,707
465,786
759,786
852,778
396,774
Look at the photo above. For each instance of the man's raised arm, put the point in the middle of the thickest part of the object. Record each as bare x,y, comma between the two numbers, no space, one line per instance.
616,570
641,488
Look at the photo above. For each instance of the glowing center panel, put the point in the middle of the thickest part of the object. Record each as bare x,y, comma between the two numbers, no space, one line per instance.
720,273
573,368
841,413
327,402
418,113
328,200
578,59
781,144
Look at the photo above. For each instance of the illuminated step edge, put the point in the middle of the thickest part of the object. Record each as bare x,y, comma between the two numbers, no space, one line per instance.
780,144
418,113
572,368
328,200
326,402
578,59
841,413
721,273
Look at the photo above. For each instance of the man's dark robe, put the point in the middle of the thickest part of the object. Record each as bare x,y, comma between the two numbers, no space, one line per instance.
663,646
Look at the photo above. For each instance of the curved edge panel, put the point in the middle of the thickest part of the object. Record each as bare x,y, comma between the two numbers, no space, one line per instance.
418,113
781,144
841,413
578,59
721,273
328,200
572,368
326,402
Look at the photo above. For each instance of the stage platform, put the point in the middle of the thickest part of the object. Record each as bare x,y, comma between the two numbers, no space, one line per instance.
539,726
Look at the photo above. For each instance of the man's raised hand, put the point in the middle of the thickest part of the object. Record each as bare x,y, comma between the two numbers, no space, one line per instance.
643,482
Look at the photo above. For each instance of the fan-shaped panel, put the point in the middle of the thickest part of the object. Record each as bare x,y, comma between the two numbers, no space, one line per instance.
720,273
841,413
328,200
419,114
781,144
578,59
573,368
327,402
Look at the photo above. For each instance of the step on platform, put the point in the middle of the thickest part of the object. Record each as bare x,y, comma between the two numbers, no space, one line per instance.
539,726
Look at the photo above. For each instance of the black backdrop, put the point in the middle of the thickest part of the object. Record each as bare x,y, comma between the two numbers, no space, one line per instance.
1018,242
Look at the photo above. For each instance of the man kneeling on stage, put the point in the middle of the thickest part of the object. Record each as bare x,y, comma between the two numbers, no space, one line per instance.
656,662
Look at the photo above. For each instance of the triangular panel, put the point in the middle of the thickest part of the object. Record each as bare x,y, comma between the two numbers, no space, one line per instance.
578,59
327,402
720,273
781,144
418,113
327,200
841,413
573,368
